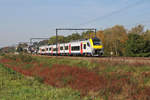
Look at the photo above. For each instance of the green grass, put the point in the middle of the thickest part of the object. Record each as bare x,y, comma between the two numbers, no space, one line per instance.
66,61
14,86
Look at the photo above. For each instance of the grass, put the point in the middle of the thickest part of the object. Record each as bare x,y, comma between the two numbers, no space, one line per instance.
14,86
123,81
65,61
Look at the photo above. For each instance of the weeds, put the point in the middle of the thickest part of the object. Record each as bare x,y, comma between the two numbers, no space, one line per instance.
109,80
39,79
12,88
22,57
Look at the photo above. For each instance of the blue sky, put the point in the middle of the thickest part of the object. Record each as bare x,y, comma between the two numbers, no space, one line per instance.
22,19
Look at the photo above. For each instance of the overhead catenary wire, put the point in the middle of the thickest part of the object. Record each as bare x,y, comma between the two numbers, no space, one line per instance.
112,13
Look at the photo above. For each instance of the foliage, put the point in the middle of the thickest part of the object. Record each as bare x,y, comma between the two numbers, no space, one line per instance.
88,34
137,46
62,39
25,58
147,35
17,87
52,39
22,47
113,40
44,42
7,50
139,29
74,36
107,79
21,57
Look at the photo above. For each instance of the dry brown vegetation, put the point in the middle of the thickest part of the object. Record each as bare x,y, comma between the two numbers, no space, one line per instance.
107,79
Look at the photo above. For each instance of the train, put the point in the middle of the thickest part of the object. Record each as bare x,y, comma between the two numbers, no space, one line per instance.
84,47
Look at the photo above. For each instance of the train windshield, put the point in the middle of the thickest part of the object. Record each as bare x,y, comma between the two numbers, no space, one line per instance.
96,41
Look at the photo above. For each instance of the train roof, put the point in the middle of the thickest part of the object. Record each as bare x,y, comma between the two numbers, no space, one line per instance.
66,43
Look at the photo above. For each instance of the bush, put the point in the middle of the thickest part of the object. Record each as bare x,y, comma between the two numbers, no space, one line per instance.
136,46
39,79
26,58
2,54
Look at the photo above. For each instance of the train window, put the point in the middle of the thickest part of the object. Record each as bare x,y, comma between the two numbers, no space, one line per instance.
54,49
61,48
66,47
84,46
46,49
43,49
96,41
49,49
75,48
88,44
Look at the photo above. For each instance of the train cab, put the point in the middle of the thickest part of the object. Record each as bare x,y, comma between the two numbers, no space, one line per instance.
97,47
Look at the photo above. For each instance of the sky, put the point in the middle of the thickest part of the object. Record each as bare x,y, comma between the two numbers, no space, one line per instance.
21,20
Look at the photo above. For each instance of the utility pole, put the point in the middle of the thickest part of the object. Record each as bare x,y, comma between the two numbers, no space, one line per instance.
95,32
56,42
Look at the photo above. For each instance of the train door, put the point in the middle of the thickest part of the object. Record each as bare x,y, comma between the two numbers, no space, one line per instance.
40,51
58,49
70,49
64,49
81,48
51,50
85,48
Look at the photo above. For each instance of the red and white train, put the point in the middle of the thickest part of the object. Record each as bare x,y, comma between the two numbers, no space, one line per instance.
88,47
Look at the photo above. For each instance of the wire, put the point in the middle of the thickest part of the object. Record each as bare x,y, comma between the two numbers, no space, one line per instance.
114,12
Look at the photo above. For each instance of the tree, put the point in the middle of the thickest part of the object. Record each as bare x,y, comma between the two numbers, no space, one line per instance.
43,42
7,50
137,30
100,35
88,34
52,39
21,47
137,46
147,35
74,36
114,39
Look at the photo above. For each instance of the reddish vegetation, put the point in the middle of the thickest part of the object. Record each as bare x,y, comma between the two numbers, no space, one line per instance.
77,78
82,79
61,76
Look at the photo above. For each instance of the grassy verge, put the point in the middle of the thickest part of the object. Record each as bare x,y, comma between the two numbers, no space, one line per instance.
14,86
106,79
66,61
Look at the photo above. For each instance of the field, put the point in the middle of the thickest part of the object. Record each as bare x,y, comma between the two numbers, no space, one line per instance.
25,77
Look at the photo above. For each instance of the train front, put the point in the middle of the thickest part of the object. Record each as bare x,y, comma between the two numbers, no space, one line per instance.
97,47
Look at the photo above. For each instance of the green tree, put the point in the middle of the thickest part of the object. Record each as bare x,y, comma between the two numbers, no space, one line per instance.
74,36
21,47
52,39
44,42
7,49
88,34
137,46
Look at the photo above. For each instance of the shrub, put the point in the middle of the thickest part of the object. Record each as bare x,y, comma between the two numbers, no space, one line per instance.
39,79
26,58
2,54
136,46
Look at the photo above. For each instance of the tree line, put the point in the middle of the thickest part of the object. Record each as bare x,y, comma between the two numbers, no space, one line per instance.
123,42
117,41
